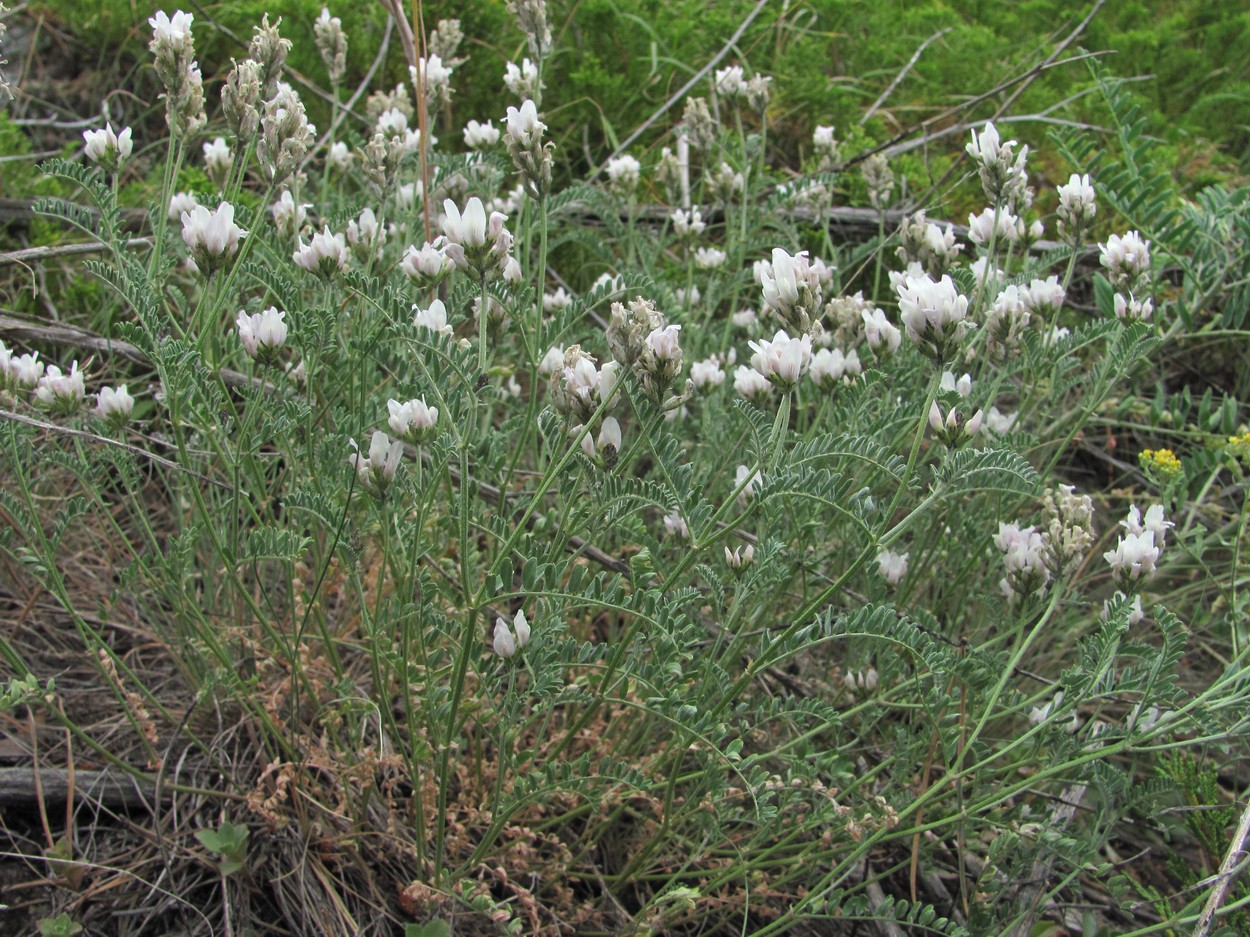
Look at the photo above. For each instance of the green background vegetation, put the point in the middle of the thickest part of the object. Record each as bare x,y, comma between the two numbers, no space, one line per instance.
830,58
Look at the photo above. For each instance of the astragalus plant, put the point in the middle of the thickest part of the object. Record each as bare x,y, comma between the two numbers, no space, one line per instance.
487,546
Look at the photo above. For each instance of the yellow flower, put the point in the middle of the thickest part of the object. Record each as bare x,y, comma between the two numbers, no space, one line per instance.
1239,448
1162,462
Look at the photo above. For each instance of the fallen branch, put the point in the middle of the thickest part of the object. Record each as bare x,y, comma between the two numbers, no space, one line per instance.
1232,864
21,787
48,252
902,74
681,92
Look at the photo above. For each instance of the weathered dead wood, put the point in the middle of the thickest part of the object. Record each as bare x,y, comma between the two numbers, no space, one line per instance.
23,786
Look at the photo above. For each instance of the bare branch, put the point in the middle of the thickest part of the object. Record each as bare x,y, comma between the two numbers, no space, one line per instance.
48,252
681,92
901,75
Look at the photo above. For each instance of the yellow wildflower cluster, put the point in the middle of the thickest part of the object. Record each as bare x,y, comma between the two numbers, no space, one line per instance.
1160,462
1239,448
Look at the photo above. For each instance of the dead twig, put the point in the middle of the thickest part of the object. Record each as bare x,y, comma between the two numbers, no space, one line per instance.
105,440
1232,864
29,330
681,92
22,787
39,254
902,74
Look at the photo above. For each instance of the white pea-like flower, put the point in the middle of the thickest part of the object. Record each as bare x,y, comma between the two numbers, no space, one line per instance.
1136,554
830,367
880,333
609,441
892,566
325,255
218,158
508,639
19,372
181,202
522,80
663,343
475,243
392,122
429,265
557,301
376,471
687,224
953,429
478,135
365,236
1132,309
823,138
288,217
1077,207
1154,522
114,405
433,318
731,83
675,525
340,157
998,422
524,127
62,392
624,173
707,373
751,384
934,314
1024,561
212,236
784,360
954,385
1127,262
739,558
1044,297
110,150
709,258
1002,172
412,421
744,483
171,33
1001,226
552,361
262,333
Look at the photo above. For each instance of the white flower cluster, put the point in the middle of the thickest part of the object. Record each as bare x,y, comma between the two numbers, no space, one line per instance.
479,246
924,243
1023,561
892,566
263,334
792,287
1077,208
1136,554
325,255
624,173
1127,263
784,360
376,471
1002,171
412,421
19,372
524,139
212,236
509,639
934,314
174,53
110,150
